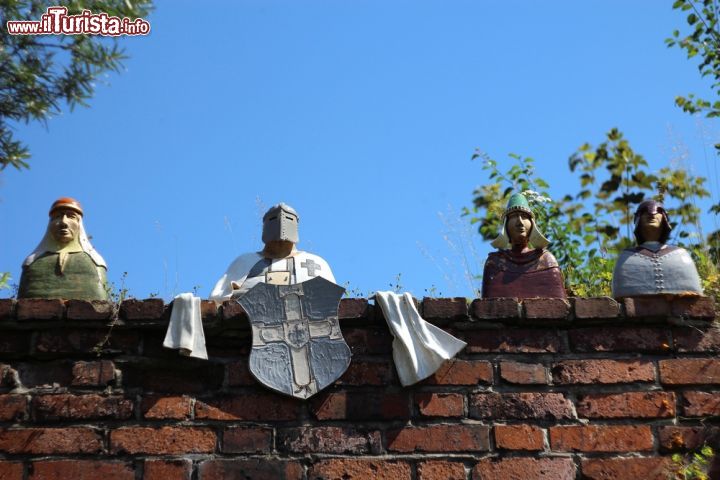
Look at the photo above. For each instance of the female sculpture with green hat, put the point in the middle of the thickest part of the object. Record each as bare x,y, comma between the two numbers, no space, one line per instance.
522,267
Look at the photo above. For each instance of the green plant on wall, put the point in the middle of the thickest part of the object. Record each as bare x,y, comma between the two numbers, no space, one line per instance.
117,295
4,280
693,466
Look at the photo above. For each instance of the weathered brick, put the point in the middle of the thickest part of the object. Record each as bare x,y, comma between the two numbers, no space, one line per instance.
148,309
595,308
353,308
93,374
8,376
39,309
368,341
179,469
15,342
354,405
649,468
649,307
368,373
546,308
690,371
601,438
495,308
7,308
50,441
162,441
208,310
252,406
603,371
251,469
11,470
88,310
519,437
513,341
166,408
81,470
525,468
238,373
53,374
462,372
700,404
357,469
440,470
455,308
180,375
86,341
697,339
439,438
620,339
440,404
81,407
247,440
232,310
523,373
232,346
327,440
13,407
673,438
521,406
627,405
694,307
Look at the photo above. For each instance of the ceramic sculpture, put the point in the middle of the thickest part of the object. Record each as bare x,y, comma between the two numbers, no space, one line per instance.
522,267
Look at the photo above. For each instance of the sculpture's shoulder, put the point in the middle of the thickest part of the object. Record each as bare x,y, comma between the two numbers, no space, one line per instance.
309,265
495,260
547,259
537,259
244,262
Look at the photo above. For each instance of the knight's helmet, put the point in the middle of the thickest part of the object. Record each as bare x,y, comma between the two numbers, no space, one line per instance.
280,222
652,207
518,202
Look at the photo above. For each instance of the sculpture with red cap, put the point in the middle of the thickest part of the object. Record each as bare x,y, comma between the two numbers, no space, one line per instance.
64,264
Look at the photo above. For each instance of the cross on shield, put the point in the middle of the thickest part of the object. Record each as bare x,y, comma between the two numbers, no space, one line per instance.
298,348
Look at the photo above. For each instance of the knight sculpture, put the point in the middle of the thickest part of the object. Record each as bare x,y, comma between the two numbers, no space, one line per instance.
653,267
279,262
292,301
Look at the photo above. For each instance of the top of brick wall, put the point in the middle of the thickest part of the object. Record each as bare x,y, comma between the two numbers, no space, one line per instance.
537,311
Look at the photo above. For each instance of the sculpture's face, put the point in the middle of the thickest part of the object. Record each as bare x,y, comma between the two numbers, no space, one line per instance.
651,225
64,225
518,225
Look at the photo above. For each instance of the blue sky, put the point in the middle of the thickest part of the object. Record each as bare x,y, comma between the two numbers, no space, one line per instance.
363,115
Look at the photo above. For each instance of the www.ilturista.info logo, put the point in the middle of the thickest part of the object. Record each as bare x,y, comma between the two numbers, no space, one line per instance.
56,21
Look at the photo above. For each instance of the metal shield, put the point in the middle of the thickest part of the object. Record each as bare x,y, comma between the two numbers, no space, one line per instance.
298,348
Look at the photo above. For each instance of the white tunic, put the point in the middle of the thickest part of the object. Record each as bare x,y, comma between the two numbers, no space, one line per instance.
248,270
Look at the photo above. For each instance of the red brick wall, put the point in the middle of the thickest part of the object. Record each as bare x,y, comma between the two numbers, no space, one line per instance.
544,390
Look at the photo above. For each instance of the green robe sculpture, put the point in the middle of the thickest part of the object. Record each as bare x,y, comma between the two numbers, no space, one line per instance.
64,264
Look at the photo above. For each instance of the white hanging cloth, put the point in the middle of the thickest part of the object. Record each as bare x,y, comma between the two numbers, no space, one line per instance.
419,347
185,331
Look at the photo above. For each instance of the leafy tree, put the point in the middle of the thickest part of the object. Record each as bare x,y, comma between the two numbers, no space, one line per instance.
703,41
39,74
